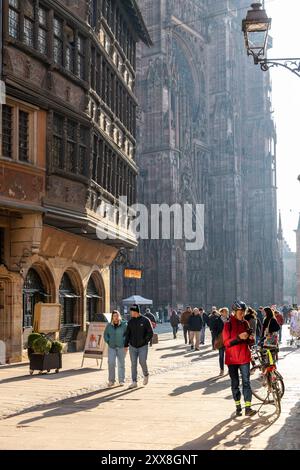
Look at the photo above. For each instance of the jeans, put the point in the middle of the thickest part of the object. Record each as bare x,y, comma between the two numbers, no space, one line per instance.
235,382
175,329
221,358
202,335
186,334
140,354
280,334
113,354
195,335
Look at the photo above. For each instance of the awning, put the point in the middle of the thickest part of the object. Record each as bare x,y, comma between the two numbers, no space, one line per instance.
35,291
69,296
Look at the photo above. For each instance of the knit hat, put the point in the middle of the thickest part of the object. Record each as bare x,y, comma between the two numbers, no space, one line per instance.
135,308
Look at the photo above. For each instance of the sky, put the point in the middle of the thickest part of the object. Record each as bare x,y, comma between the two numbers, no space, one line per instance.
285,31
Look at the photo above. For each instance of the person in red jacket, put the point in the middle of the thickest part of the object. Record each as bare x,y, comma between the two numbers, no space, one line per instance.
237,337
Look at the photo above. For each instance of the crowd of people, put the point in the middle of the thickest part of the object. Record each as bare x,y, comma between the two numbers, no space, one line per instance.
232,334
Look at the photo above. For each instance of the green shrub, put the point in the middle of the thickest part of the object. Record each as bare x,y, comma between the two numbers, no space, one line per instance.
41,345
57,347
31,338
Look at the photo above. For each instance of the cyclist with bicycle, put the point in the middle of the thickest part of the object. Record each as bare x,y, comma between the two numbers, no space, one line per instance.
237,338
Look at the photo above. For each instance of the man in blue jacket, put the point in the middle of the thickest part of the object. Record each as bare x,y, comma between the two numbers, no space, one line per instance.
139,333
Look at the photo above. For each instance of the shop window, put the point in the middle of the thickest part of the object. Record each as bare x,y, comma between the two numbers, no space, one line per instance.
68,300
93,302
33,292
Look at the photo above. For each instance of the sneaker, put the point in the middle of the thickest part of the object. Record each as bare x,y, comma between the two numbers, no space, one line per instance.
238,411
221,372
192,347
146,380
249,411
121,384
197,349
133,385
111,384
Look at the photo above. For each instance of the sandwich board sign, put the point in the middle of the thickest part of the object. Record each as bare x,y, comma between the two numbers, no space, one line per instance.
95,346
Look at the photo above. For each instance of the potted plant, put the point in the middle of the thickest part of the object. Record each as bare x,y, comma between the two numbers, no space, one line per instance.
43,353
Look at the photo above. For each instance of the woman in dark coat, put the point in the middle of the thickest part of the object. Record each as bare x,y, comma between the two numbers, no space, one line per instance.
251,318
270,324
174,320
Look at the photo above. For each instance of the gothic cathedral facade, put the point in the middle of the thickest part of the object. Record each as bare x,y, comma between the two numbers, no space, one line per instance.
206,136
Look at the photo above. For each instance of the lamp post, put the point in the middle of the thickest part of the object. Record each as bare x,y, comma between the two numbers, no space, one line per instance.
256,27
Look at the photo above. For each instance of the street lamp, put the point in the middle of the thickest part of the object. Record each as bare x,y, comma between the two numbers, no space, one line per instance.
256,27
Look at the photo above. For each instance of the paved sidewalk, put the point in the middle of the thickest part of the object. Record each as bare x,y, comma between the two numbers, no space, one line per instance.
19,391
185,406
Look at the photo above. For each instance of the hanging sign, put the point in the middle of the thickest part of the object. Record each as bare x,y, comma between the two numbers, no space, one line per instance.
133,273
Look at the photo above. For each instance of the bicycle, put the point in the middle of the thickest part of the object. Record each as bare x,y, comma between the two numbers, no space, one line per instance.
266,382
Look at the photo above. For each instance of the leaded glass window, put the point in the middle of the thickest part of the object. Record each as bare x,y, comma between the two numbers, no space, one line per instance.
23,136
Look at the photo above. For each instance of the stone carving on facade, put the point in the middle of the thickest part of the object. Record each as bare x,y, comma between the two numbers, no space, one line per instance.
48,81
25,187
7,64
71,193
28,68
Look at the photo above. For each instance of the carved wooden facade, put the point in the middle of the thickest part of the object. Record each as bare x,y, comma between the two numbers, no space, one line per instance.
207,136
68,144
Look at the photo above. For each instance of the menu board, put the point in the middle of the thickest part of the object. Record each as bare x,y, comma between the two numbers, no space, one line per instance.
47,318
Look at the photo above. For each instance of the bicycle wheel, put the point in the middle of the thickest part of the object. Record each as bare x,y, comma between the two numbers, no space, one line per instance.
280,383
276,394
259,385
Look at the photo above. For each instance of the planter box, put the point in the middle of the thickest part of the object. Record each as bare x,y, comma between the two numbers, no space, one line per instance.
46,362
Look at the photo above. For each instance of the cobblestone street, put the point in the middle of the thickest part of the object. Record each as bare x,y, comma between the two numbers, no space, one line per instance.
185,406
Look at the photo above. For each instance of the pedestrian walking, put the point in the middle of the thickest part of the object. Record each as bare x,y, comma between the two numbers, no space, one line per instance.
184,320
270,335
251,318
280,321
204,318
195,326
285,310
114,336
138,334
174,320
218,327
237,339
212,318
153,321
